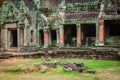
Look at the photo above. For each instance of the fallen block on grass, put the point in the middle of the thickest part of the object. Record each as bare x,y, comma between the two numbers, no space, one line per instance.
77,66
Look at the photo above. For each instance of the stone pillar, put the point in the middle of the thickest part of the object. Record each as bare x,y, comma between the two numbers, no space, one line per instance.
58,37
37,37
18,37
9,38
61,44
6,38
37,40
3,37
78,36
22,38
97,34
25,36
46,39
101,32
50,38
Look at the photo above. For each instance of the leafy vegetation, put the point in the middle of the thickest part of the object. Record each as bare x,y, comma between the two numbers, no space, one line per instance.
109,41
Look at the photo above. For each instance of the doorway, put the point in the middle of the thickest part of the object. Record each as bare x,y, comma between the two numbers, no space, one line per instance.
70,32
112,32
41,37
54,38
13,38
88,34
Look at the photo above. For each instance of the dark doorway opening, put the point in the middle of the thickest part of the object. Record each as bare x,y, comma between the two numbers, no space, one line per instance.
32,36
88,34
118,11
14,38
54,38
70,32
112,32
41,37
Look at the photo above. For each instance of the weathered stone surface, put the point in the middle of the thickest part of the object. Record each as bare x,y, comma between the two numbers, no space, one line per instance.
43,69
51,65
28,49
5,56
77,66
68,69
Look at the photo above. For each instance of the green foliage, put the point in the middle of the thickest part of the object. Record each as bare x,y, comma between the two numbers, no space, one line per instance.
67,45
109,41
54,43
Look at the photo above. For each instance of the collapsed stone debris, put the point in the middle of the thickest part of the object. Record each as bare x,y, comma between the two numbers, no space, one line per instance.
77,66
67,67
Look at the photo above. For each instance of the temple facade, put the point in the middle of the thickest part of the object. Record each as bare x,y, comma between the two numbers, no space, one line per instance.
59,23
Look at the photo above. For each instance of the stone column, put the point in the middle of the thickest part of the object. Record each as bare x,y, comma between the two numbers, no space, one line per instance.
3,37
46,39
61,44
6,38
101,32
97,34
78,35
9,38
50,38
25,37
22,38
18,38
37,37
58,37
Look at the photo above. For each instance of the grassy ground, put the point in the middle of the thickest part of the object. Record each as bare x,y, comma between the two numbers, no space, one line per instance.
105,70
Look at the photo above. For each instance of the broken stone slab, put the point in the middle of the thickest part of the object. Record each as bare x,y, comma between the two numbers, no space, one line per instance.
77,66
78,69
51,65
68,69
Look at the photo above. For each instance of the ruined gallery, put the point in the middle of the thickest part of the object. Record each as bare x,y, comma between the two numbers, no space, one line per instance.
59,23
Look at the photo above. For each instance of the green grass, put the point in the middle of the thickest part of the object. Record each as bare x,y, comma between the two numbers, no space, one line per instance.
59,73
91,64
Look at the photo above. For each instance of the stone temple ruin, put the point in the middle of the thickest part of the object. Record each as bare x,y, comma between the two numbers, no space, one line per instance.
59,23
